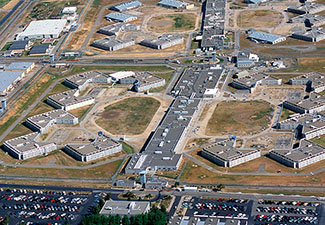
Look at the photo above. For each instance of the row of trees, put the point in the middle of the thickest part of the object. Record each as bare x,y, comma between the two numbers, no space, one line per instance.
154,217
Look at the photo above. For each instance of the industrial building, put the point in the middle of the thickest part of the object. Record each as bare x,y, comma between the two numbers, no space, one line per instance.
42,49
306,154
112,44
126,6
266,37
213,30
155,183
27,146
122,208
246,60
164,41
100,147
117,28
20,46
42,122
224,153
69,100
305,126
308,7
313,35
26,67
143,81
173,4
195,220
82,80
313,104
252,82
124,183
314,81
310,20
120,17
8,80
42,29
69,10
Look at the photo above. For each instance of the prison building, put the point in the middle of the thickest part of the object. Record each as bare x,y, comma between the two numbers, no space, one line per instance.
42,29
69,100
313,104
42,122
125,208
126,6
316,34
27,146
117,28
224,153
19,46
308,7
9,79
120,17
26,67
173,4
266,37
306,154
244,63
164,41
155,183
314,81
310,20
153,162
112,44
143,81
82,80
100,147
251,82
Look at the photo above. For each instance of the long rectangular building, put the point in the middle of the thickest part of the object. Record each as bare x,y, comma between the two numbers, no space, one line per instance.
8,79
313,104
142,81
266,37
164,41
112,44
120,17
314,81
308,7
82,80
44,121
27,146
224,153
126,6
117,28
306,154
316,34
102,146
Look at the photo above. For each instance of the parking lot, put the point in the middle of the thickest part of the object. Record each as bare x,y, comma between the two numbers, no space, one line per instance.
45,207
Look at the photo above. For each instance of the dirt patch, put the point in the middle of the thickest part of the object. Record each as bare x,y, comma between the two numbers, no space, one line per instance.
258,19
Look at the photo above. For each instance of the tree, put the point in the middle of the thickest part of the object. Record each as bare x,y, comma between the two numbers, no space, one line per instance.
220,186
66,223
108,196
176,183
5,221
125,220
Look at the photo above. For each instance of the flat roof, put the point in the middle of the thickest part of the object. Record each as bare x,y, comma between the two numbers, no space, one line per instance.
119,16
7,78
127,5
41,27
124,207
68,98
81,78
121,74
101,143
115,28
165,38
19,65
173,3
110,41
265,36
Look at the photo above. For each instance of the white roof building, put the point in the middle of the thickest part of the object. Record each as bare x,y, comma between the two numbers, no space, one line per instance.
43,29
121,75
69,10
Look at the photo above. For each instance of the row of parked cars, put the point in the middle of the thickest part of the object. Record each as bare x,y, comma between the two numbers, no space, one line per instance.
293,203
287,219
286,210
45,216
36,191
42,207
220,206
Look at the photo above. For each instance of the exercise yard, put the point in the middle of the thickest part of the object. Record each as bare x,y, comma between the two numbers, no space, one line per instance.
130,116
258,19
172,23
239,118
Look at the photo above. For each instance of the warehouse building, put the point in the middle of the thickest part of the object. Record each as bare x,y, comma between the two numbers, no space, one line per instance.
69,10
82,80
8,80
308,7
266,37
117,28
143,81
306,154
313,104
42,122
252,82
20,46
27,146
305,126
224,153
309,20
124,208
316,34
164,41
26,67
42,29
43,49
126,6
155,183
112,44
314,81
100,147
69,100
173,4
120,17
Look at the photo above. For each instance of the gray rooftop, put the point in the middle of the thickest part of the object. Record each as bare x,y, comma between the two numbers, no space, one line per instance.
126,6
173,3
115,29
82,78
7,78
262,36
124,207
119,16
19,66
68,98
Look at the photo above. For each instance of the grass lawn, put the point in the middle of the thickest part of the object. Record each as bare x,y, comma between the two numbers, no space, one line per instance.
127,148
172,23
167,77
253,117
320,140
3,3
128,116
286,113
80,111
